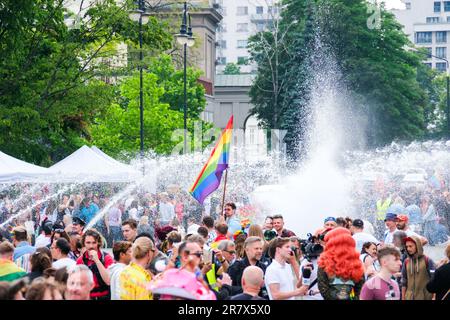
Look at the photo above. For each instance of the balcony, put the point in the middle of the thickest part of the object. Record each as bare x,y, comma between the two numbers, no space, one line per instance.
264,17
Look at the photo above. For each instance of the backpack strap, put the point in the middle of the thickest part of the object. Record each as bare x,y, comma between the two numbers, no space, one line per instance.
312,284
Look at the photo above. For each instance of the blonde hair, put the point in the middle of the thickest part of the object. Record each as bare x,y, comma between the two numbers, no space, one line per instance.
141,247
144,220
255,231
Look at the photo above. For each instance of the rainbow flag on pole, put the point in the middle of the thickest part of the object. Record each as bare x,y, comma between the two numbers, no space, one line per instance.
209,178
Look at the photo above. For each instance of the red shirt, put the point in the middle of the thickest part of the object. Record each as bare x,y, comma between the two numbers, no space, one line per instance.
220,237
108,260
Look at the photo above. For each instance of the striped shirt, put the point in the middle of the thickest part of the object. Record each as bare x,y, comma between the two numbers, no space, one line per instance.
133,283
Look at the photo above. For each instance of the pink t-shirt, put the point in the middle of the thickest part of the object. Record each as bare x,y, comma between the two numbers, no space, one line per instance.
377,288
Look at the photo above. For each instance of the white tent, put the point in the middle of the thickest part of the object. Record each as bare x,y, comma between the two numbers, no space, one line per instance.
13,170
111,159
87,165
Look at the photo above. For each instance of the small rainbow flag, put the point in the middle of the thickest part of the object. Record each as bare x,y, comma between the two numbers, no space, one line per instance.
209,178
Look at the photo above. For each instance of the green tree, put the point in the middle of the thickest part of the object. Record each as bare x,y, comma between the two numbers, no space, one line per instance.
380,73
118,131
50,88
172,80
232,68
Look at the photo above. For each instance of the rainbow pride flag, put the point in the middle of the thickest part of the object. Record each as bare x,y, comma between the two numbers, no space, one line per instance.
209,178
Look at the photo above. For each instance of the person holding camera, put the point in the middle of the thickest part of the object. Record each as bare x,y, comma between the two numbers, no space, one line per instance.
309,266
279,278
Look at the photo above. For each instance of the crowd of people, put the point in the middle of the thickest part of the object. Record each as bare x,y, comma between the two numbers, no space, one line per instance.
167,247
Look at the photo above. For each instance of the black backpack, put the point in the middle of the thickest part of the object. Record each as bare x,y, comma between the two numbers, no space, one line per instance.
102,286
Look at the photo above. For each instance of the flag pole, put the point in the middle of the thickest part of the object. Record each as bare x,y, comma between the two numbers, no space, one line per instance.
224,191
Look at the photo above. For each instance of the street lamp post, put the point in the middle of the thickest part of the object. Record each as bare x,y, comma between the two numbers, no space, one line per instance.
186,39
140,16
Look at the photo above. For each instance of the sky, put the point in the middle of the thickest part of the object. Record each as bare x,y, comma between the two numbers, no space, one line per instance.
397,4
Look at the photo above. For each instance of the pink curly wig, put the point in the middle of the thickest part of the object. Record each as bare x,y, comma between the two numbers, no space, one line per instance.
340,258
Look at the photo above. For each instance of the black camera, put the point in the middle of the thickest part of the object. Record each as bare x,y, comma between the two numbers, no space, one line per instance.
310,247
270,234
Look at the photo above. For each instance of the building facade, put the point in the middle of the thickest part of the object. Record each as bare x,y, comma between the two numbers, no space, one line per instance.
232,98
427,24
241,20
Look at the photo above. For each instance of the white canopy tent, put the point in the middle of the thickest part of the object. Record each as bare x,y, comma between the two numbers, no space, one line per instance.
111,159
88,165
13,170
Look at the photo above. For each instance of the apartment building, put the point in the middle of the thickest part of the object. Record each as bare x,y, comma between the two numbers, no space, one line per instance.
427,24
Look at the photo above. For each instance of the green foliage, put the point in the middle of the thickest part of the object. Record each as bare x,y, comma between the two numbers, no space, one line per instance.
171,80
118,131
232,68
385,78
49,74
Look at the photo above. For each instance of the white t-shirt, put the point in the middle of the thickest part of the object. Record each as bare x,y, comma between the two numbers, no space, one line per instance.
42,241
192,229
389,236
167,211
361,238
281,274
64,262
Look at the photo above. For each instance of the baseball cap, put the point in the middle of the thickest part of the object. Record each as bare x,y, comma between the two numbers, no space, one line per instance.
391,217
78,220
358,223
403,218
329,219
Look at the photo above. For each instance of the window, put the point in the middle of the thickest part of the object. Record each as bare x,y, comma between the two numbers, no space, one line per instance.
274,9
242,11
448,19
242,27
447,6
222,27
242,43
437,6
429,65
260,26
441,36
424,37
429,52
259,10
252,136
222,44
441,66
441,52
433,19
408,5
242,60
222,61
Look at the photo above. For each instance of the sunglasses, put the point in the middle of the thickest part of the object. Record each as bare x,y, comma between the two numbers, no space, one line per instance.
59,230
230,252
198,254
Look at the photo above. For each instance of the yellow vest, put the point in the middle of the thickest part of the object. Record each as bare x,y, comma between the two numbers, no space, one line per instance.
382,208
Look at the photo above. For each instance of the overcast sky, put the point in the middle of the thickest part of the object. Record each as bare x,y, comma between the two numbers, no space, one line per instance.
394,4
